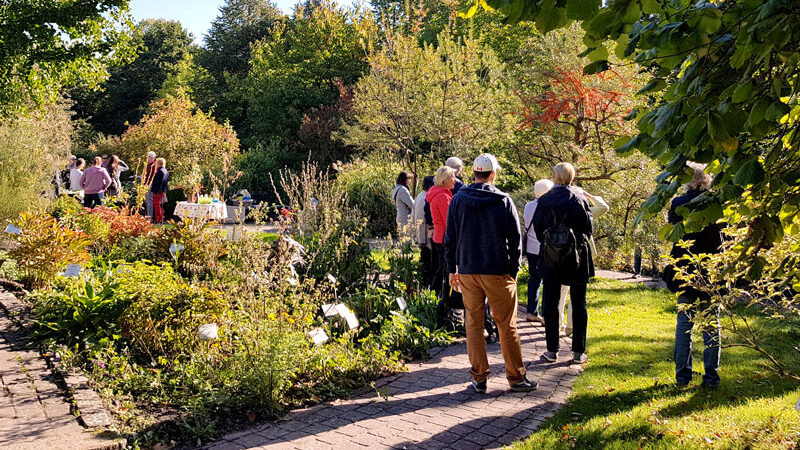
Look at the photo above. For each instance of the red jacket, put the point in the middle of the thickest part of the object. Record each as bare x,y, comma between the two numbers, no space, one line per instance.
439,199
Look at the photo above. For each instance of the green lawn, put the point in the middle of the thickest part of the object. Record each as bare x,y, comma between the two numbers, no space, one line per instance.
626,397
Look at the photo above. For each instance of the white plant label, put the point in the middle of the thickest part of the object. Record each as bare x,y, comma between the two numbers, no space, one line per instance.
292,281
208,331
318,336
352,320
797,405
401,302
13,229
330,310
332,279
73,270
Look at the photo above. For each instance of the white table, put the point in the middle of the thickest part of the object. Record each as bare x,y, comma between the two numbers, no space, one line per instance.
212,211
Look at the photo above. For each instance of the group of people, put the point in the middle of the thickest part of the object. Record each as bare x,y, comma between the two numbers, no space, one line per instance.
102,179
471,242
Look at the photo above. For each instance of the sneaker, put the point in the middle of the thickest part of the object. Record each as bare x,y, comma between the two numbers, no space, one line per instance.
534,318
525,385
480,388
579,358
550,356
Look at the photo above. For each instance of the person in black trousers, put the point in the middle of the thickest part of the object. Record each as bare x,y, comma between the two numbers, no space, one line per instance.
567,205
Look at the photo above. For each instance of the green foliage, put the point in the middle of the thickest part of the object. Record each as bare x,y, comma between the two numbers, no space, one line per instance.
190,140
199,248
260,160
454,104
289,74
32,149
51,45
162,48
368,184
404,333
714,61
44,247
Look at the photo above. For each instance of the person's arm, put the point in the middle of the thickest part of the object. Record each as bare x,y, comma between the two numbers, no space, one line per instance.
122,166
541,221
513,240
155,186
673,217
83,179
406,199
106,178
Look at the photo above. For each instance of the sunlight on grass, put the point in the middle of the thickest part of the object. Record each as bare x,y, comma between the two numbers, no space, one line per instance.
626,397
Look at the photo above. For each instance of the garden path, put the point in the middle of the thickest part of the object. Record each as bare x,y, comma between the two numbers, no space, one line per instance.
432,406
33,412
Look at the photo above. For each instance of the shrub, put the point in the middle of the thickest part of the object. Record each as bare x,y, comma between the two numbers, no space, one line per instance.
199,248
44,247
368,184
65,208
404,333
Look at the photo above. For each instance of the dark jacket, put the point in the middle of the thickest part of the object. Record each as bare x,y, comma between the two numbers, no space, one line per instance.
160,181
482,234
459,184
707,240
567,202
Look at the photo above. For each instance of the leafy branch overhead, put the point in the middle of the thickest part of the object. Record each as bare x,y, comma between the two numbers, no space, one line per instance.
723,91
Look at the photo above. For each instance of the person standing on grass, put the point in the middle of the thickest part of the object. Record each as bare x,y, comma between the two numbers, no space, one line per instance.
563,224
456,164
482,253
531,249
149,173
75,175
401,197
94,182
421,237
691,301
159,189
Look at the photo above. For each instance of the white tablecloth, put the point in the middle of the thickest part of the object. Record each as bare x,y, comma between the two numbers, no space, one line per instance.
213,211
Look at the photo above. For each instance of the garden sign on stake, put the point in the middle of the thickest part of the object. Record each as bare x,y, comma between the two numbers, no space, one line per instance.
13,229
401,302
73,270
318,336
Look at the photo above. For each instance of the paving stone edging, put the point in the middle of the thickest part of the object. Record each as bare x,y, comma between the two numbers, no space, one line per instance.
92,413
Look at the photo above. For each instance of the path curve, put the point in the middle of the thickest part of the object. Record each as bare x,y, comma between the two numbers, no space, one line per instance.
432,406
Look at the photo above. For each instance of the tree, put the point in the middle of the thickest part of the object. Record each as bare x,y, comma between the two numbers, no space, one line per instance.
50,45
191,141
430,101
298,68
162,47
723,91
226,55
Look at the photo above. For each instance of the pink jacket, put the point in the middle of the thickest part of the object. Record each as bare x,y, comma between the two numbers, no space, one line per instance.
95,180
439,199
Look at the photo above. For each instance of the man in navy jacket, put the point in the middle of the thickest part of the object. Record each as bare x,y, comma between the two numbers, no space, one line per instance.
482,252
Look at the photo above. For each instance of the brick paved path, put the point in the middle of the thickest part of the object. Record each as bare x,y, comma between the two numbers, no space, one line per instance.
33,413
432,406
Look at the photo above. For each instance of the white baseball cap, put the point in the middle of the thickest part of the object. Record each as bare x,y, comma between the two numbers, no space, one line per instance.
486,162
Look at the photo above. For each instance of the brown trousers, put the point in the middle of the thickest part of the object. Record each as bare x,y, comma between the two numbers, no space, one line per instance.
501,290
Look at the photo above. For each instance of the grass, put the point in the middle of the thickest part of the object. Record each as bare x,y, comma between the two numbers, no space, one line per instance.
626,399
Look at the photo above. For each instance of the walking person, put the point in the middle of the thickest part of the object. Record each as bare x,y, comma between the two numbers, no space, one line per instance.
692,302
75,174
563,224
422,240
117,167
94,182
482,253
598,207
401,197
531,248
149,173
159,189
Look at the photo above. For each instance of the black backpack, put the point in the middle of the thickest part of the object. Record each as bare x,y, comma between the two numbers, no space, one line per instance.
559,251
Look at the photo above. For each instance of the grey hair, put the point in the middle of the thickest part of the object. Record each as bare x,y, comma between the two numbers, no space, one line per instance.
456,163
702,181
151,154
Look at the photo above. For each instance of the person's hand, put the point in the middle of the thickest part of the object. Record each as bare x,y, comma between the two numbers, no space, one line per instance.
454,282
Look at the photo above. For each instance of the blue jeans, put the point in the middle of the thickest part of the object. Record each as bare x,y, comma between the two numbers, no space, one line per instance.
533,285
683,345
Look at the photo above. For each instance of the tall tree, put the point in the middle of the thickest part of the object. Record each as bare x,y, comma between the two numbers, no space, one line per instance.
46,46
430,101
226,55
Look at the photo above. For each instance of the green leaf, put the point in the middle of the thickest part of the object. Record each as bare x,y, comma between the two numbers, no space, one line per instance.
596,67
582,9
550,17
693,129
757,113
651,7
742,92
776,110
716,128
757,268
749,173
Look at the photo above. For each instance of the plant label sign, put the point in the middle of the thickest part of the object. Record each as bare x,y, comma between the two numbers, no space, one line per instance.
797,405
13,229
208,331
318,336
401,302
349,316
73,270
174,249
330,310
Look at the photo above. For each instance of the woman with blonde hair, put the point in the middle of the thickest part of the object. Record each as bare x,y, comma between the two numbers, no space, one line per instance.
439,197
159,189
563,224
